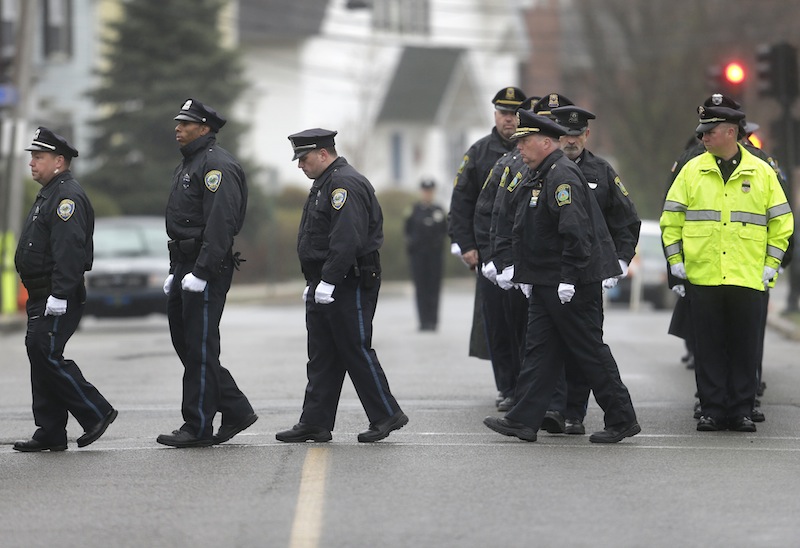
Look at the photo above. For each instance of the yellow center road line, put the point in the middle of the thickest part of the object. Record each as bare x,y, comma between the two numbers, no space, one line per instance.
307,525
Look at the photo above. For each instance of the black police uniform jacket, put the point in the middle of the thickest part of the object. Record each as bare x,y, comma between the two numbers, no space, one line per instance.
342,223
482,220
475,167
559,233
425,229
502,214
618,210
207,204
56,240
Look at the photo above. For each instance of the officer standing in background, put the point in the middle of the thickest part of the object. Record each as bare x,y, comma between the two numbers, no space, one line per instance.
475,167
54,250
206,209
425,229
340,233
725,228
621,219
562,247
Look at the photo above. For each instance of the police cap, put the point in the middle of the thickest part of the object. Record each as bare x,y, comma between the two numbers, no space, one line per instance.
427,184
528,103
536,124
311,139
711,117
550,101
45,140
195,111
508,99
574,119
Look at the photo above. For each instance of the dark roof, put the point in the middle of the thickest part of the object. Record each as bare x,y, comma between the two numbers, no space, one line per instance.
261,20
419,84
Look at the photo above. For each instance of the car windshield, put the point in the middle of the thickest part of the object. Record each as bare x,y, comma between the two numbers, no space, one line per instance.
129,241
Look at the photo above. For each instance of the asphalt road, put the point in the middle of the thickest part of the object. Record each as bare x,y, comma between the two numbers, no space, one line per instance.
443,480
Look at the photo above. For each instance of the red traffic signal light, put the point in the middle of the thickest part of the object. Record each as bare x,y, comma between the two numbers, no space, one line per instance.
734,73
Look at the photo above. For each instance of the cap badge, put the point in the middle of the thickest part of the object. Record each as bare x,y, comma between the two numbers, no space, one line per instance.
187,105
701,110
338,198
65,209
552,102
510,93
213,179
716,99
573,118
563,195
36,134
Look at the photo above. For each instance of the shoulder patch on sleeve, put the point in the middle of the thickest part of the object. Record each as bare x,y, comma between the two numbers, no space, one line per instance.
213,179
65,209
338,198
504,176
464,163
563,195
622,188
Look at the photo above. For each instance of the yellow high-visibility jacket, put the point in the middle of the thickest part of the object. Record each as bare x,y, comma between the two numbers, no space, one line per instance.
725,233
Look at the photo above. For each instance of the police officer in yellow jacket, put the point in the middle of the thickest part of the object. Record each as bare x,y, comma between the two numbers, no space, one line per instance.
725,228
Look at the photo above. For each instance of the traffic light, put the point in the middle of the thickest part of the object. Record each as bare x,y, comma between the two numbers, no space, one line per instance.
727,78
777,71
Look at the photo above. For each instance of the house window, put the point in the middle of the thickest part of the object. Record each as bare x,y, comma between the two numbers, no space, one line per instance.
397,158
402,16
8,14
57,28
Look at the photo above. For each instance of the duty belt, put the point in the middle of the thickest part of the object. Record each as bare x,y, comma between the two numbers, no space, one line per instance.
184,250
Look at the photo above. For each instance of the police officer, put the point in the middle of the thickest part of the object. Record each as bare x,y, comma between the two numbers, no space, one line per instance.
205,210
621,219
563,249
54,250
725,228
425,229
341,232
475,167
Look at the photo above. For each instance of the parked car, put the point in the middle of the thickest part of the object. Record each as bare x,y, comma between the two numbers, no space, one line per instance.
648,270
131,262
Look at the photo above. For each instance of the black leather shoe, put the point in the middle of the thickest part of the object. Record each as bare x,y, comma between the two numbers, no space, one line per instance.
758,415
574,427
182,438
510,428
553,422
698,410
91,436
379,430
742,424
227,431
709,424
506,405
34,446
304,432
614,435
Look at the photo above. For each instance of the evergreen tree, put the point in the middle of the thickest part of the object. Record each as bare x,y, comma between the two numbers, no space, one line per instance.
161,53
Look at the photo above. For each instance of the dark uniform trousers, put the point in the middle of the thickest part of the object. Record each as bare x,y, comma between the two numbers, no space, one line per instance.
208,387
555,329
57,383
339,342
426,269
502,353
729,320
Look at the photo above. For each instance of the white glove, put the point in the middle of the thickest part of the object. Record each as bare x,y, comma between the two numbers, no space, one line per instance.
489,272
305,294
679,290
624,266
504,278
566,292
455,249
193,284
611,283
55,306
768,274
527,290
678,270
324,293
168,284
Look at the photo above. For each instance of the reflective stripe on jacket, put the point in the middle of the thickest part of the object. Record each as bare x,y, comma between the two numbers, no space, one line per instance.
725,233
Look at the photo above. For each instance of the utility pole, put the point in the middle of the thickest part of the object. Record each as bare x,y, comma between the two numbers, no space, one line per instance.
14,184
